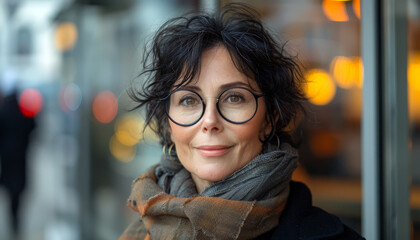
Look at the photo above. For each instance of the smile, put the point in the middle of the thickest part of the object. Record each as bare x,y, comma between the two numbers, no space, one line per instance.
213,150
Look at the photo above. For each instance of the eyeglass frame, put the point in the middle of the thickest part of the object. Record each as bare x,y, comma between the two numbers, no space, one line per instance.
165,99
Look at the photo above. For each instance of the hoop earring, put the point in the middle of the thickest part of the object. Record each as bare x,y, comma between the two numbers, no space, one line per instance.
163,149
170,149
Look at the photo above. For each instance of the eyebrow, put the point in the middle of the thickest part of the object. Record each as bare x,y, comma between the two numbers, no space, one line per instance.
221,87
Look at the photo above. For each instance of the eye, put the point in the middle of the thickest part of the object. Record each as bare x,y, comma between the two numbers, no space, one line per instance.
234,99
188,101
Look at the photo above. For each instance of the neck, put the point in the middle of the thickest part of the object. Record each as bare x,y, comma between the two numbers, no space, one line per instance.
200,184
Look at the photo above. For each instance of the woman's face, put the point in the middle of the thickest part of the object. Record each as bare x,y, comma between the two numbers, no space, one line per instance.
214,148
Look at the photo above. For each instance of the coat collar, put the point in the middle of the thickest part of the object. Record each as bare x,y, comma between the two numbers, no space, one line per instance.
301,220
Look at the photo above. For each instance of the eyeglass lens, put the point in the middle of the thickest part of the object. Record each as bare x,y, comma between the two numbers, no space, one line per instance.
237,105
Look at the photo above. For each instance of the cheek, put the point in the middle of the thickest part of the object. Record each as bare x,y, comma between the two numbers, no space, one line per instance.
251,132
180,135
248,131
260,127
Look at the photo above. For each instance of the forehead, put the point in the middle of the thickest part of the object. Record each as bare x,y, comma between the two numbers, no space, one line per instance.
218,70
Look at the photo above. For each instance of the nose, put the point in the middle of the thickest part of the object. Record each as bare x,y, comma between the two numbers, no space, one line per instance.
211,119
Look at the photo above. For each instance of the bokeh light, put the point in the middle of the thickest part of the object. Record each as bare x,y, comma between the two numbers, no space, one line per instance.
347,71
120,151
128,129
70,97
358,71
413,75
353,104
413,72
30,102
335,10
324,144
105,107
414,105
320,88
356,8
65,36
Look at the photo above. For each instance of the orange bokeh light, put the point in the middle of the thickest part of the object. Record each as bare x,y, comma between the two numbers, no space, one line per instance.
129,129
120,151
105,107
320,88
66,36
413,75
413,71
335,10
356,8
414,105
347,71
30,102
324,144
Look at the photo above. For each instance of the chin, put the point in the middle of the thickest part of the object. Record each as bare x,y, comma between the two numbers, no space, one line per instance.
213,174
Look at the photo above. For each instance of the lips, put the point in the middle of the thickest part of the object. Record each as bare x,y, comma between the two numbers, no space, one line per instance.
213,150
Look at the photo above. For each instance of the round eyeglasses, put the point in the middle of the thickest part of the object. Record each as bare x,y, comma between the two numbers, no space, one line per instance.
236,105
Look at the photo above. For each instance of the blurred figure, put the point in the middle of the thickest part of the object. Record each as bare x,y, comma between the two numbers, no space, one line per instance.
15,132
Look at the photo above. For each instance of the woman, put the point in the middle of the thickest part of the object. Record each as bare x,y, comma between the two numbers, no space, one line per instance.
223,96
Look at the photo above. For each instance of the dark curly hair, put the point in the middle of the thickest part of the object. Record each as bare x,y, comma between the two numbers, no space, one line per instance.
176,53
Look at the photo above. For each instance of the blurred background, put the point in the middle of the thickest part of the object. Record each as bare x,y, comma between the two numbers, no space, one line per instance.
70,147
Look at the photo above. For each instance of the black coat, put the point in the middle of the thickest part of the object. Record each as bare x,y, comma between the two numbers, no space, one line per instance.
300,220
15,130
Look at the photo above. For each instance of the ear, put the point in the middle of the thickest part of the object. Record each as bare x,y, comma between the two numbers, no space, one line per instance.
266,128
269,126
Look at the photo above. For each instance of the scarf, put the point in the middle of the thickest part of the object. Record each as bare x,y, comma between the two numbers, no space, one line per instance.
244,205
